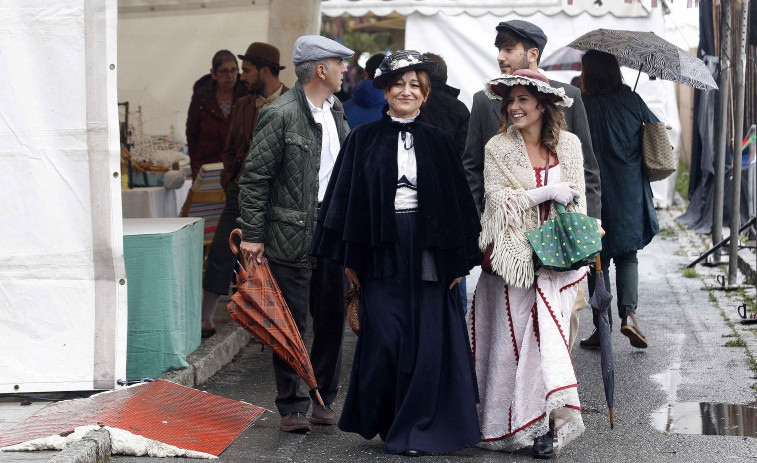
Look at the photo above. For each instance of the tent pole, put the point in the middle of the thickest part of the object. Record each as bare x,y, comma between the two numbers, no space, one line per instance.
738,129
725,72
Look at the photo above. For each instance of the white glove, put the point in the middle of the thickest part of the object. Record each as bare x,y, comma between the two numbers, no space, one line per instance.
562,192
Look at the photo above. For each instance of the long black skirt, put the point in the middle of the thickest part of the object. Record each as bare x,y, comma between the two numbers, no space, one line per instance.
413,381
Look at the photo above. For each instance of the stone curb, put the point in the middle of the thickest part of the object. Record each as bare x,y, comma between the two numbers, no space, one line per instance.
93,447
747,264
211,356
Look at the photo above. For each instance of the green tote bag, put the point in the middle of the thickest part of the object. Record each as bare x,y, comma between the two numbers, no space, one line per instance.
568,241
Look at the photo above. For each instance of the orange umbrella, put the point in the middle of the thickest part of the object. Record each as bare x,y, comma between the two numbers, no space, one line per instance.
261,309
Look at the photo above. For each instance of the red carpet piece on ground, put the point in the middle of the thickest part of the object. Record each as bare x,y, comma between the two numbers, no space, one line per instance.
160,410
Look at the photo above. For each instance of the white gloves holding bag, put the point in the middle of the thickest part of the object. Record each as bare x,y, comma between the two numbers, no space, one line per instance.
562,192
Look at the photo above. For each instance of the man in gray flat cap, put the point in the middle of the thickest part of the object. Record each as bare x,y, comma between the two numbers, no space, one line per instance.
284,180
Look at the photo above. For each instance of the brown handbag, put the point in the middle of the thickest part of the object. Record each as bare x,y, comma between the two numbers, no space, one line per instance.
352,306
659,161
656,151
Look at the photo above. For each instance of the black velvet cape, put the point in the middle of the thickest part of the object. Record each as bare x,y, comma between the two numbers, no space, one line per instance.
356,225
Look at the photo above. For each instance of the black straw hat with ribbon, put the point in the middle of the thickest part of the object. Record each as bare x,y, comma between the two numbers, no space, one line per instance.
399,63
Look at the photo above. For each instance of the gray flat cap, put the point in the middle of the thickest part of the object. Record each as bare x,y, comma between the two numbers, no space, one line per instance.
315,47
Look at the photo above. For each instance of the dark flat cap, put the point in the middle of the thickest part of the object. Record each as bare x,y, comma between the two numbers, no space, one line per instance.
315,47
526,30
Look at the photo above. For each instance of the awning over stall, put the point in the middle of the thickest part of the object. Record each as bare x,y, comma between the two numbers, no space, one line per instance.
482,7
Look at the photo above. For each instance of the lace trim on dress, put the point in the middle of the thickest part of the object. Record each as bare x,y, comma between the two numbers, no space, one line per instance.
565,428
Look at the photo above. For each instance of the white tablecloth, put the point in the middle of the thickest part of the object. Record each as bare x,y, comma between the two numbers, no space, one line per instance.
147,202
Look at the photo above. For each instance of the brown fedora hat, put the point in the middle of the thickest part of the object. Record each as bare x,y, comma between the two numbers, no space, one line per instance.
262,53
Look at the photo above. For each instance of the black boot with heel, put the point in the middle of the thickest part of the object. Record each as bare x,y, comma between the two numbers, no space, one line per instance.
543,448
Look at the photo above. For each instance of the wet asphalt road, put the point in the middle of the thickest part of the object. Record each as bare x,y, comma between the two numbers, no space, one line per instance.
687,361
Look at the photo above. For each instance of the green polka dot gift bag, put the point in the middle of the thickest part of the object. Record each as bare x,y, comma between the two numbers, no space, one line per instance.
568,241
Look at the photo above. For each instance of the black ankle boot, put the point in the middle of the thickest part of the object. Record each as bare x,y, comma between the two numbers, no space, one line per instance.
543,449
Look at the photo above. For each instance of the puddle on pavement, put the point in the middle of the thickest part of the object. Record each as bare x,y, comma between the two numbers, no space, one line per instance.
705,418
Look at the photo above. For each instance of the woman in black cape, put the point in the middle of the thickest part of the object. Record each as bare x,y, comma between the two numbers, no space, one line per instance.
399,216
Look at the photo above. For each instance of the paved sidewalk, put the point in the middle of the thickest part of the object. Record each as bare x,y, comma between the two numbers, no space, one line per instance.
688,361
14,409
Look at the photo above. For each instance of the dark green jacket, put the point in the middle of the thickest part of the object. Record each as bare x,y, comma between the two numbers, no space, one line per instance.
278,190
628,214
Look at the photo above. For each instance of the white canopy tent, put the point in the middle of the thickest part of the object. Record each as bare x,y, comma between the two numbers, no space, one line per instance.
66,64
62,309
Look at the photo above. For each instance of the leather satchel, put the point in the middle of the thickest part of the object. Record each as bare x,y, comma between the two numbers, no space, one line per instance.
657,152
352,306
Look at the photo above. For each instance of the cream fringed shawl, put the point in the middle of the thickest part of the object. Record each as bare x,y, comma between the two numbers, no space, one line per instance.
508,175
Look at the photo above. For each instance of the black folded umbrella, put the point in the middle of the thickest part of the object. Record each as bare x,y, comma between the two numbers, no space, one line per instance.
600,300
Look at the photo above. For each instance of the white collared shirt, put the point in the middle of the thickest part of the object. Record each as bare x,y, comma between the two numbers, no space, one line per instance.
406,196
329,143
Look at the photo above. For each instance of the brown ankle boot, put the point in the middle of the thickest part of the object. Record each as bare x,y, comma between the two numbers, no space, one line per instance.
592,342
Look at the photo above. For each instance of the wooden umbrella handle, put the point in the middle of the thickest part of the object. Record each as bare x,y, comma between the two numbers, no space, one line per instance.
240,255
318,397
598,263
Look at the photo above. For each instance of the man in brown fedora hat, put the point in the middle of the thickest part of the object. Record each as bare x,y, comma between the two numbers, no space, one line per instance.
260,73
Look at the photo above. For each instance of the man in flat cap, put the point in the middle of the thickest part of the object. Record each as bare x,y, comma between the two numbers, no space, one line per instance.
284,179
260,73
520,44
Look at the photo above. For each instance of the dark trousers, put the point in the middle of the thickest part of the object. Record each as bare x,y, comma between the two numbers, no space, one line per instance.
220,263
322,291
626,280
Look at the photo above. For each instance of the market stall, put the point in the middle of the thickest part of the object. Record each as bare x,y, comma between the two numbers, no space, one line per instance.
163,259
154,201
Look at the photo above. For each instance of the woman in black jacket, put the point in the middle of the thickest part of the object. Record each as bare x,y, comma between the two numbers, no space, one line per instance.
399,216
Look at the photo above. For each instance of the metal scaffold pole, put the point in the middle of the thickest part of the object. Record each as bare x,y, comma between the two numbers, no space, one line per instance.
738,133
725,72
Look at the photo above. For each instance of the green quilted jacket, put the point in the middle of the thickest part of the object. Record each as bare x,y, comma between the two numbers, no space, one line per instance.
278,190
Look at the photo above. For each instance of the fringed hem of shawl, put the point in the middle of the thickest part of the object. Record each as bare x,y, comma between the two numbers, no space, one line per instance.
501,224
524,437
